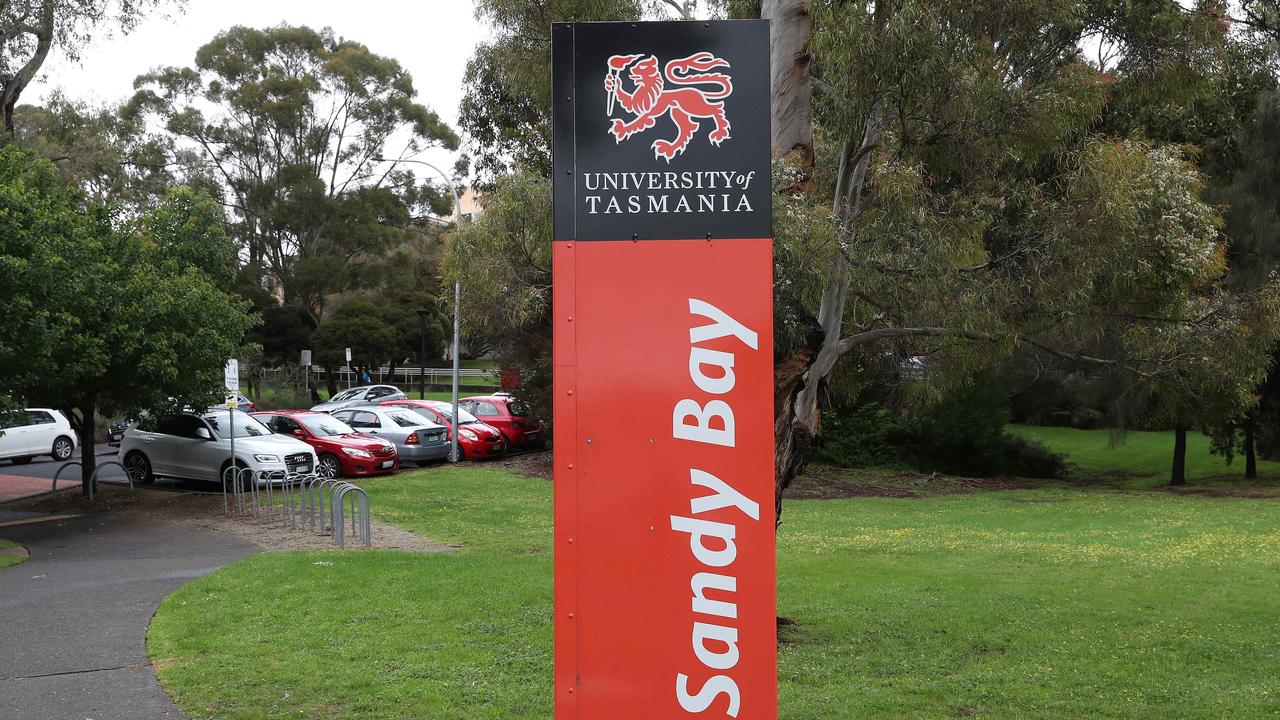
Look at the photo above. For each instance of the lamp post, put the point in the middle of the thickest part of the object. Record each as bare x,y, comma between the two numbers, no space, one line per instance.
457,299
422,357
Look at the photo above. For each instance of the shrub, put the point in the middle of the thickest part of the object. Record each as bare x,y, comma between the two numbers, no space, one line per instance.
856,437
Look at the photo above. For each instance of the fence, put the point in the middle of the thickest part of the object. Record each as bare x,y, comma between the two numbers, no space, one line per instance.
289,376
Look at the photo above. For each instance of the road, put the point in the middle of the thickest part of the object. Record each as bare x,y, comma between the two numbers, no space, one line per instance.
76,613
46,468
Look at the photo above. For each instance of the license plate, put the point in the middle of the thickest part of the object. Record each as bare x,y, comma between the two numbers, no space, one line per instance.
388,463
303,469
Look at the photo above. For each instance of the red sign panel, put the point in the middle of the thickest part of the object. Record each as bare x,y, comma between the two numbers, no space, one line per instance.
664,516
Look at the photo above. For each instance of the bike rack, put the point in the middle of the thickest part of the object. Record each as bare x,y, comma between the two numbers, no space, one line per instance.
93,479
360,523
302,503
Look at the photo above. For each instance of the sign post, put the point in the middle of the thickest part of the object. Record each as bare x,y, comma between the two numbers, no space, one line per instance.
231,379
349,370
306,373
663,304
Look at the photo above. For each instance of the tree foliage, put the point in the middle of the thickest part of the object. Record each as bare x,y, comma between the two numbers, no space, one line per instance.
107,313
30,29
292,122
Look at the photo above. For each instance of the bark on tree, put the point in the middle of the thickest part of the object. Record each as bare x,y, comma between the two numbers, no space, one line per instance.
13,86
790,81
1250,451
800,376
87,428
1179,475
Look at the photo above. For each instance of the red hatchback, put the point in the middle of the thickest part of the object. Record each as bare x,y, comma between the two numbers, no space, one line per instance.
340,450
509,415
475,440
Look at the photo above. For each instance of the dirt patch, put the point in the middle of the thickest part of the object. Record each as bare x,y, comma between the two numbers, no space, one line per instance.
205,510
1248,492
822,482
535,464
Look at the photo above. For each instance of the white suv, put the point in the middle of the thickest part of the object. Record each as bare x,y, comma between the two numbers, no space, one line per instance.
199,448
36,431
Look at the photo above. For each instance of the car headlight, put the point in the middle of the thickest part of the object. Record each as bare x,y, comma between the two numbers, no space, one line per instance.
468,434
357,452
266,458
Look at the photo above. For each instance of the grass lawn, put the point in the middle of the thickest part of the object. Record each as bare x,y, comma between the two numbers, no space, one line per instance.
7,560
1053,603
1148,454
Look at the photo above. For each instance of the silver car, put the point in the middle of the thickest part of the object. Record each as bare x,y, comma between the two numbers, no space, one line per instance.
417,439
358,396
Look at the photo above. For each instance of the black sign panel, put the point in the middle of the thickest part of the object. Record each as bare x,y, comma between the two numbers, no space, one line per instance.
661,130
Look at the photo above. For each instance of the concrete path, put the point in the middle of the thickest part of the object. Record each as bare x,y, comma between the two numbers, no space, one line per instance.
74,616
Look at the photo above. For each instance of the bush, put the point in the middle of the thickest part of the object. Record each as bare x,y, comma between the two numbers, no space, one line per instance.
856,437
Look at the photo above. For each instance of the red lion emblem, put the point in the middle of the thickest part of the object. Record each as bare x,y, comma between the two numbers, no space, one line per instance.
651,98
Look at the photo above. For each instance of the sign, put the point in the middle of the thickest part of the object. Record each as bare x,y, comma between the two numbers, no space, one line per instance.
231,376
306,358
348,356
663,279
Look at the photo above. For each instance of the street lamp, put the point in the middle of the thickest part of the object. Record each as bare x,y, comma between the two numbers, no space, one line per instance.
457,299
422,357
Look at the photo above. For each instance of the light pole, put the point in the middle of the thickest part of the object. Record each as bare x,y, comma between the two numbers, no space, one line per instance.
422,357
457,299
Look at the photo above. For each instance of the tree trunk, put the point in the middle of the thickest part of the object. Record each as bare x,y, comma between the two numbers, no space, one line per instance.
799,378
330,381
790,83
14,85
87,429
1179,476
1250,451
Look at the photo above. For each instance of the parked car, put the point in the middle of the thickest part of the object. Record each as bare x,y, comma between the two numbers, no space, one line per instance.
476,439
417,438
341,451
198,447
115,431
510,416
357,396
26,434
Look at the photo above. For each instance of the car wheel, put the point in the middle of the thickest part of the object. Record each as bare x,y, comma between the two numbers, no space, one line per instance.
62,448
246,481
139,468
328,467
20,460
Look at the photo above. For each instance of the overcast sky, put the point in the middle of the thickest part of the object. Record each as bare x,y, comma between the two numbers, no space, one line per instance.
431,38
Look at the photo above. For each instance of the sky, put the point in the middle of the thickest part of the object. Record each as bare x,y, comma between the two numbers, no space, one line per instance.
432,39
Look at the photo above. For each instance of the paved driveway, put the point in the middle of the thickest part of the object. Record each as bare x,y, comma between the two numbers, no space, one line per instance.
73,618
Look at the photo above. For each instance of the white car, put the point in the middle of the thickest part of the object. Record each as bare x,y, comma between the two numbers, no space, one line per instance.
24,434
199,448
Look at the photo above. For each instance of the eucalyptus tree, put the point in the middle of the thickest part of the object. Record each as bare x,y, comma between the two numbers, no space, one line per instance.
31,29
292,122
949,197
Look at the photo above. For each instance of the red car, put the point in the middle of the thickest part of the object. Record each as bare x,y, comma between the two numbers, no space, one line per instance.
475,439
340,450
509,415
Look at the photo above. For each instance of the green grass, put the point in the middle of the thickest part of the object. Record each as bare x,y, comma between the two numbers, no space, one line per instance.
7,560
1054,603
1146,454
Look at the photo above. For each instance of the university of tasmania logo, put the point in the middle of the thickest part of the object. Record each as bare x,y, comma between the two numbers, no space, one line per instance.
684,90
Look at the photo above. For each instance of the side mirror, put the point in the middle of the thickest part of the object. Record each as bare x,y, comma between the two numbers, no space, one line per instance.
203,434
300,434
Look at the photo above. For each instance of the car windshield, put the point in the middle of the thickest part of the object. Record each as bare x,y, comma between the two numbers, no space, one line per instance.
346,395
243,425
404,419
447,411
325,426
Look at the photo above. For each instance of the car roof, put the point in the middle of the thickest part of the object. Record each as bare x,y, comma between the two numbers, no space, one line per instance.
502,398
288,412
